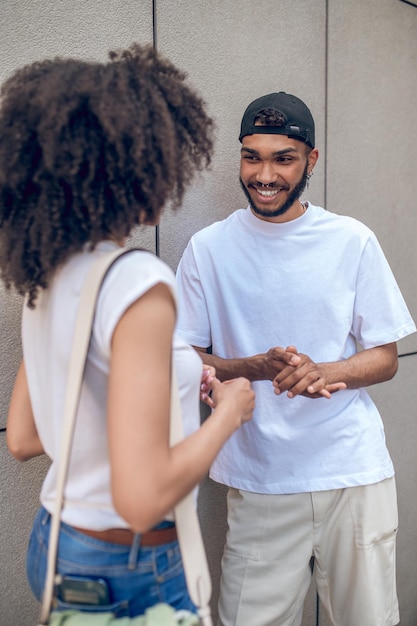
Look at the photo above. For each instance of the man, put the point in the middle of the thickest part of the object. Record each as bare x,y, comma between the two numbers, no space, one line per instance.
310,476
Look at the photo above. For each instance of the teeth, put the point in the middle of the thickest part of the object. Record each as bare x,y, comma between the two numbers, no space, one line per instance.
267,194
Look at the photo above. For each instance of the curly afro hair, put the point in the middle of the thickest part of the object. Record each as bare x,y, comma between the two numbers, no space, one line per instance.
88,151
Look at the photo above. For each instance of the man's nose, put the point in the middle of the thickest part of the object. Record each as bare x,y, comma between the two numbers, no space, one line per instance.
266,174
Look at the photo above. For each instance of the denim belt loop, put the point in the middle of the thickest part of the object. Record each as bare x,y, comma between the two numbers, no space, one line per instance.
134,551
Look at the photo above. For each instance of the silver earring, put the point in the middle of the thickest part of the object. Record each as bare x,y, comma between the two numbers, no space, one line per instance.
309,175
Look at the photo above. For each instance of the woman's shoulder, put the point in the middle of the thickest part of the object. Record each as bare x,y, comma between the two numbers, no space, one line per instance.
135,273
144,263
129,278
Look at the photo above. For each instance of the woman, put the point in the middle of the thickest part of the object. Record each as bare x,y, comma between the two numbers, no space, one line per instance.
89,151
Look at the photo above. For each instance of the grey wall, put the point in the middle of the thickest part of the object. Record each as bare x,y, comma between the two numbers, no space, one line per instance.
355,64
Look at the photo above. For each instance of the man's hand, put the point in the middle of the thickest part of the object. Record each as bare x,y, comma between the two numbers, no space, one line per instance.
277,359
263,366
305,378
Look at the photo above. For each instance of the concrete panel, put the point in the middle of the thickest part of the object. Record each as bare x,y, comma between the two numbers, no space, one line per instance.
33,30
371,138
10,347
233,52
231,62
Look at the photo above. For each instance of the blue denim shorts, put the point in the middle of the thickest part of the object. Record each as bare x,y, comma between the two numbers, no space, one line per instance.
137,577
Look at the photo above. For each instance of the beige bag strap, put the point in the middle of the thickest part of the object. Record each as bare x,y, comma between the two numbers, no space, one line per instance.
189,534
188,527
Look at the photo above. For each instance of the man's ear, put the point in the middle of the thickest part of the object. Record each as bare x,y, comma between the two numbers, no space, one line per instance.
312,159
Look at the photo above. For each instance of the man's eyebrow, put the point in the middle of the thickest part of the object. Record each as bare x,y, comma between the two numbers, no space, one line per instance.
285,151
277,153
243,149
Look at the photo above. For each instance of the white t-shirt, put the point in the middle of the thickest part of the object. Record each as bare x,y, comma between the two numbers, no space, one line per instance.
47,338
321,283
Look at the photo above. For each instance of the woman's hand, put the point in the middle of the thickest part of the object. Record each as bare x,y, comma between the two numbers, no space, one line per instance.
207,377
236,390
235,398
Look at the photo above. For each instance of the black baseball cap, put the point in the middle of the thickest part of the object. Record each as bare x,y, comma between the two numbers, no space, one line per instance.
299,123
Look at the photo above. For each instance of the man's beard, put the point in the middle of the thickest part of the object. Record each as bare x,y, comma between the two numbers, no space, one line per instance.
293,196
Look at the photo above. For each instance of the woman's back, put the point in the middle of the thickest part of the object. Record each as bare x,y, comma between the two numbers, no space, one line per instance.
47,341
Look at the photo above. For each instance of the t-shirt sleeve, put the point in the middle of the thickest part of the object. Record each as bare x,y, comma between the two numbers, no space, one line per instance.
381,315
131,276
193,324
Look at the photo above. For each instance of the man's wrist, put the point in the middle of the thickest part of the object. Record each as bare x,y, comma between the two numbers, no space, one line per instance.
257,368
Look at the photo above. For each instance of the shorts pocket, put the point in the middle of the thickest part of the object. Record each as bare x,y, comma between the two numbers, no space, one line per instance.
374,513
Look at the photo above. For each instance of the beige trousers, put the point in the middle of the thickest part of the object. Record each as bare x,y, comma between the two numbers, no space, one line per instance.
351,533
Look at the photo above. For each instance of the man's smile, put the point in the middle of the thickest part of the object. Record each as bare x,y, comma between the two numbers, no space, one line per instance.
267,191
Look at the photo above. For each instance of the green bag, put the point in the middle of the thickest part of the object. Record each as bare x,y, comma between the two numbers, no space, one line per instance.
158,615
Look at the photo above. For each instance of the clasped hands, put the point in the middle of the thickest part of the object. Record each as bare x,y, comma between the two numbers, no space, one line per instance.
297,374
289,371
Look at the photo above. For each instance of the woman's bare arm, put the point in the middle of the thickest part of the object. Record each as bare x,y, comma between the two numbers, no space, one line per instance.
148,477
22,436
